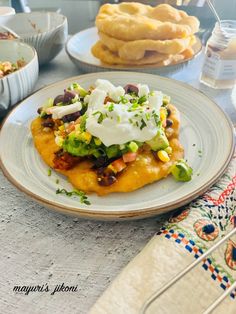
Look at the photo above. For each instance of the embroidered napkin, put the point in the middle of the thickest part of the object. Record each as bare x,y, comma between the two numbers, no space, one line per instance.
189,233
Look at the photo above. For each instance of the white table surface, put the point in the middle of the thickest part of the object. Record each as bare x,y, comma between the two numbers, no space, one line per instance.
39,246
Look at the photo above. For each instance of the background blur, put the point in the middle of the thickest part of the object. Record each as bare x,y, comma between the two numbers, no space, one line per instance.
81,14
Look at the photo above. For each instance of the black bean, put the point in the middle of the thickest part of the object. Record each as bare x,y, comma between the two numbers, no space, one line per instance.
168,112
58,99
100,162
69,95
39,110
169,123
107,180
130,88
71,117
48,123
105,176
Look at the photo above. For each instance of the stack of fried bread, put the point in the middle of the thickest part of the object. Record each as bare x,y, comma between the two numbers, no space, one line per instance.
136,34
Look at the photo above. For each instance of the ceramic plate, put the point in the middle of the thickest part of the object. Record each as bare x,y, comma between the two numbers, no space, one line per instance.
204,127
79,47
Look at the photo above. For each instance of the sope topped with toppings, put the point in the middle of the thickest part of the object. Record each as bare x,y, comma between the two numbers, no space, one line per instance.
109,125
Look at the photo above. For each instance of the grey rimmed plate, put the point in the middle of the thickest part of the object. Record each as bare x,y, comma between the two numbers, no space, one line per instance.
79,46
204,127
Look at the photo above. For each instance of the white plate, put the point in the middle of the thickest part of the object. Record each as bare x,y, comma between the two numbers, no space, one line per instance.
204,127
79,47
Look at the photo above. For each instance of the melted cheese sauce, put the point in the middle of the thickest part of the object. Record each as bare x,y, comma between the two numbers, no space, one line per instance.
144,170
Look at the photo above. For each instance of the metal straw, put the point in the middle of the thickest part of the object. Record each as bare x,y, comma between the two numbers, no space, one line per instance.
220,299
185,271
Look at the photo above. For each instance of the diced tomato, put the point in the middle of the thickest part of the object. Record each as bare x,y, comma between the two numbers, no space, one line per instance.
65,161
70,127
128,157
118,165
77,121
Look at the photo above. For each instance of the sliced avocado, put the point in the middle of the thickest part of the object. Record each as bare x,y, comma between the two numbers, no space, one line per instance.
181,171
112,151
159,142
75,147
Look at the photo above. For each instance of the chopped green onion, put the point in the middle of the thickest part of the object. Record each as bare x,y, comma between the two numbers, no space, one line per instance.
133,147
143,124
81,194
142,99
111,107
147,115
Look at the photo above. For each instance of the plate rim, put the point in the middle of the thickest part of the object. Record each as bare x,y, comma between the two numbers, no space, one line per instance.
122,214
133,68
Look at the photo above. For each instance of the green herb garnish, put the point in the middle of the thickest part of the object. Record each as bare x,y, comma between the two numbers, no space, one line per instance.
143,124
123,100
83,197
49,172
111,107
147,115
142,99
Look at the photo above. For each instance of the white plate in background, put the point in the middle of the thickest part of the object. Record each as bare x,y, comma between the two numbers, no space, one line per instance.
79,46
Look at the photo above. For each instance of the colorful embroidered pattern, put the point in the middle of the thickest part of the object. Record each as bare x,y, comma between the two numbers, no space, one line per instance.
230,255
180,239
193,248
206,230
221,199
179,215
218,209
215,275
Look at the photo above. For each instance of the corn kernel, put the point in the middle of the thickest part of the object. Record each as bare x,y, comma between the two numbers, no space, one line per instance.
61,128
162,114
168,150
97,141
112,168
86,137
163,156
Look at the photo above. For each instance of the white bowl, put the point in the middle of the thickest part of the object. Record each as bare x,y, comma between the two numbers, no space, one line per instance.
45,31
5,11
19,84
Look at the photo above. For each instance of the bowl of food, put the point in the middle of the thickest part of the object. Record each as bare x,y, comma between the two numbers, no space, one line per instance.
18,72
45,31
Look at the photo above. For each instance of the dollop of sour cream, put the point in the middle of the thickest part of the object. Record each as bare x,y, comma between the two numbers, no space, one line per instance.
120,121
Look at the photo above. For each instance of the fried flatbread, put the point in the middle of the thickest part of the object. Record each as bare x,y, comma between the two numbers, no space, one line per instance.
144,170
101,52
136,49
133,21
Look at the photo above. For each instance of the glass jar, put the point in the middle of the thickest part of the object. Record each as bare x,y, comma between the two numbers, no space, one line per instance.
219,67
